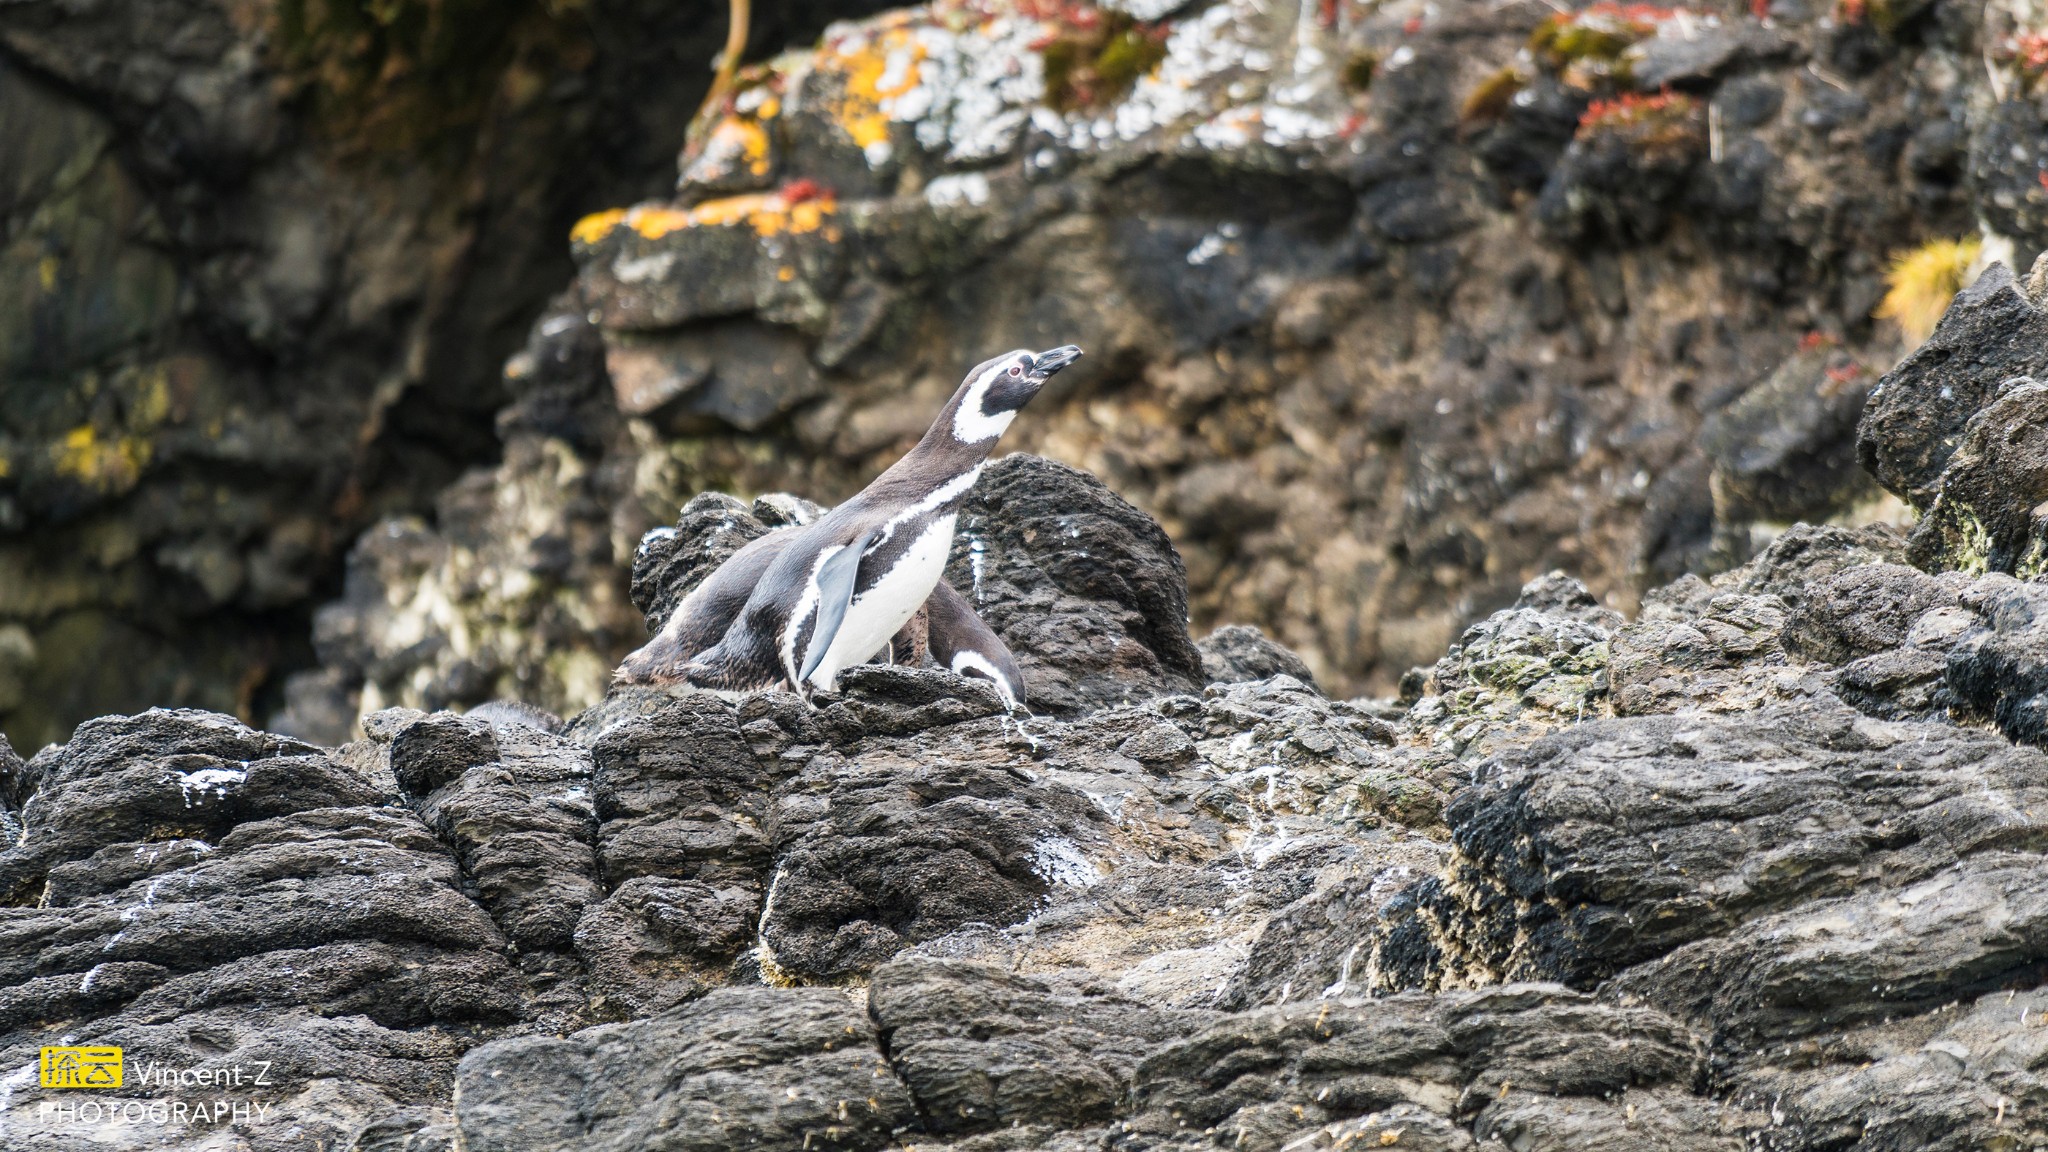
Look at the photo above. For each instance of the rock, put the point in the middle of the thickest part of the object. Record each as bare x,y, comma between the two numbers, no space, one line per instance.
679,793
1679,54
1919,412
980,1048
1864,610
1786,449
895,841
513,801
1240,652
1329,758
1985,514
1541,661
1997,667
768,1068
1722,646
1263,1076
1086,590
887,700
2005,150
166,774
1320,946
1596,849
655,943
1914,1089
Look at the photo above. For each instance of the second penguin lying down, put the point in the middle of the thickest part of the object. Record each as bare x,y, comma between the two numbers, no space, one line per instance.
800,605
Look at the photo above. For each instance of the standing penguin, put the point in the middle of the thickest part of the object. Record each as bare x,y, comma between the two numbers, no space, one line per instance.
799,606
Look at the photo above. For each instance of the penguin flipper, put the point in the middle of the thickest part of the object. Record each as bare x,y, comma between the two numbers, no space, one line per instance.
836,578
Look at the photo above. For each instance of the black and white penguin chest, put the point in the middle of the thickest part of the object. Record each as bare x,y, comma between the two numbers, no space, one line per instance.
903,558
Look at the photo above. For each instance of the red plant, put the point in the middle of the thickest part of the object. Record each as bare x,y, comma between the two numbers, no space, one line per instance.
1629,13
1632,108
2031,51
1760,9
1815,339
1843,373
804,188
1070,15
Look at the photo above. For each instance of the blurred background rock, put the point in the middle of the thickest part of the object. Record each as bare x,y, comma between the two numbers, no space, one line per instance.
311,403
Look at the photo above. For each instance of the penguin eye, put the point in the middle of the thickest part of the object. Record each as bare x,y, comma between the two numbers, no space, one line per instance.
1016,370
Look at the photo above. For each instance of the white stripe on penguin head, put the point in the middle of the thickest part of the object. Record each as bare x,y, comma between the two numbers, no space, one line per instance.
972,425
966,661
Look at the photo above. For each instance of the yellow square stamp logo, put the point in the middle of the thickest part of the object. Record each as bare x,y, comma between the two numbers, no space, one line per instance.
81,1068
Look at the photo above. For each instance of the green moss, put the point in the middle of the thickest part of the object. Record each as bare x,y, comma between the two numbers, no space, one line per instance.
1096,65
1128,57
1490,100
1588,44
414,76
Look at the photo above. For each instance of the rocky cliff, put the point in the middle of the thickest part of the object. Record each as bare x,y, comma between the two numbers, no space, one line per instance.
260,266
1391,307
1759,868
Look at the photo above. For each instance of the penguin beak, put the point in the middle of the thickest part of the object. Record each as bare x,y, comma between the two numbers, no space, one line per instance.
1046,363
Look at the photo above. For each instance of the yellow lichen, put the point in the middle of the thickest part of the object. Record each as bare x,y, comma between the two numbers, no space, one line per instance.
105,465
1923,281
768,213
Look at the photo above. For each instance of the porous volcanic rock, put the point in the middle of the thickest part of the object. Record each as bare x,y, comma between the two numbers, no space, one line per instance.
1387,312
1760,868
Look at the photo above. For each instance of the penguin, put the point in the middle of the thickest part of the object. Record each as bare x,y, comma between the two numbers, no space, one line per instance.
960,642
800,605
703,617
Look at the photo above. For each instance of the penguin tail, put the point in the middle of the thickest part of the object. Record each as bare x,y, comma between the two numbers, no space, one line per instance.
656,662
718,675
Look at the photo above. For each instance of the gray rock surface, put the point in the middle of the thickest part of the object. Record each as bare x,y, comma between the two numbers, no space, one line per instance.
1239,652
1759,868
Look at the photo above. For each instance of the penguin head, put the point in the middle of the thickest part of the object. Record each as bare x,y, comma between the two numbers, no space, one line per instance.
997,388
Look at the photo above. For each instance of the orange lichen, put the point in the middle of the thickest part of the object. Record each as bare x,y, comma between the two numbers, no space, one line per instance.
2030,51
596,226
875,69
768,213
745,139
